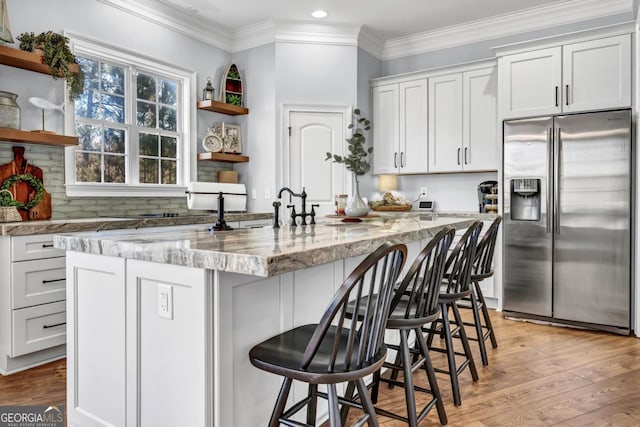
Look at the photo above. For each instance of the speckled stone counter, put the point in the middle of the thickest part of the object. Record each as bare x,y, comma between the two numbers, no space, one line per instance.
263,251
98,224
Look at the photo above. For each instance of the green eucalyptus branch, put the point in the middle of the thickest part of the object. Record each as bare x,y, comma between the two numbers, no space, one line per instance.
356,160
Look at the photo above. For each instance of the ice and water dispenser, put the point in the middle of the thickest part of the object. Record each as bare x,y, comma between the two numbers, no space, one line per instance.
525,199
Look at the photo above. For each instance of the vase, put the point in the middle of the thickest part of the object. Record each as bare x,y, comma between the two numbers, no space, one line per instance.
9,110
355,205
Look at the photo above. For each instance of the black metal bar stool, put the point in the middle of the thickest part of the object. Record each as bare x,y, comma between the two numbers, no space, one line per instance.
456,286
337,349
482,269
415,304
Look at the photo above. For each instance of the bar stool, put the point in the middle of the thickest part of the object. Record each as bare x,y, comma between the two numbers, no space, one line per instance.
415,304
482,269
337,349
456,286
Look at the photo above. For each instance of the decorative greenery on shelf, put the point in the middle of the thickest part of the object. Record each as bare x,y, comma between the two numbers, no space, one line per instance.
356,161
58,56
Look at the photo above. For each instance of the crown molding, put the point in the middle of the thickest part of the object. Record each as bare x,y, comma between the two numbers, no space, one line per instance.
370,43
504,25
174,18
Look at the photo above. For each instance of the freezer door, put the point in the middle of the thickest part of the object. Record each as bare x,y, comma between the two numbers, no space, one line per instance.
592,281
527,243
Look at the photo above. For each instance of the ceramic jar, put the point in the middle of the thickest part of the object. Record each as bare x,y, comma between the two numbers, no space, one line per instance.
9,110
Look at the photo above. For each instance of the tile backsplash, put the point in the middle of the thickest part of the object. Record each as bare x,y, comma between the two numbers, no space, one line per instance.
51,161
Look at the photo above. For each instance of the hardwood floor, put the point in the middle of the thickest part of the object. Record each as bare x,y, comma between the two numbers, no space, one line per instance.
538,376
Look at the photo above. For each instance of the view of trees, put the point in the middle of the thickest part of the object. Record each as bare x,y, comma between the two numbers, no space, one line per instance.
106,138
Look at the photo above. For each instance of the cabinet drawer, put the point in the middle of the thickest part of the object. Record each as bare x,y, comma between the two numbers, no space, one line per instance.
33,247
38,282
39,327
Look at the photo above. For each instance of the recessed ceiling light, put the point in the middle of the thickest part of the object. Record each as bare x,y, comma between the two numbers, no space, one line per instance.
319,13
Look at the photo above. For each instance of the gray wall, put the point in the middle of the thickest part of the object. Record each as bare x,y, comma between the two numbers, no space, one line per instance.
104,23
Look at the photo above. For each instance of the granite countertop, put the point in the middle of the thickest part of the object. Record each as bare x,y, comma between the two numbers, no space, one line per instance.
100,224
263,251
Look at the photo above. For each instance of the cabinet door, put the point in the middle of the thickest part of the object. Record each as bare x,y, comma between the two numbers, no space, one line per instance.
386,114
479,139
531,83
445,123
413,127
597,74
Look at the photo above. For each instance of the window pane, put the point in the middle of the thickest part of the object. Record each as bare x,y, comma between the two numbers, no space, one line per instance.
88,105
168,92
146,87
90,69
148,144
113,108
113,79
146,115
114,140
169,175
87,167
89,137
169,146
113,168
168,118
149,171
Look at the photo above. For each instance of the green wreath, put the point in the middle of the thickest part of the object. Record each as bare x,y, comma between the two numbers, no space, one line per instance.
35,183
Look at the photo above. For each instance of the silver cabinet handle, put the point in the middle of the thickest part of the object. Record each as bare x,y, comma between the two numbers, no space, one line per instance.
557,96
395,159
458,156
402,159
466,149
566,95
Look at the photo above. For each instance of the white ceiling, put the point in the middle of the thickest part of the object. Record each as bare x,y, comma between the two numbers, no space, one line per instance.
387,29
386,19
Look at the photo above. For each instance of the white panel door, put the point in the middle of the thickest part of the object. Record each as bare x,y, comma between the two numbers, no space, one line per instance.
479,139
445,123
597,74
313,134
531,83
414,137
386,125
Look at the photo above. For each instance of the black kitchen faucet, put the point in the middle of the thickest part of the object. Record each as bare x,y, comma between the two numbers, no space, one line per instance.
294,214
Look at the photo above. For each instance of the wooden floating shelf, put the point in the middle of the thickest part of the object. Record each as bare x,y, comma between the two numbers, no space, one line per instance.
223,157
27,60
42,138
221,107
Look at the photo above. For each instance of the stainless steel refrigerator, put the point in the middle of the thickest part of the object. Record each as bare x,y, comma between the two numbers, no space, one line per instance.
567,219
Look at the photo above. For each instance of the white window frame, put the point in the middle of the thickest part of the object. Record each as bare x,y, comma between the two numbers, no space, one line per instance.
83,46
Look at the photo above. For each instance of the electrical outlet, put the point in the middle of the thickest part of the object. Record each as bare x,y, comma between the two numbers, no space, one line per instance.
423,191
165,301
253,194
267,193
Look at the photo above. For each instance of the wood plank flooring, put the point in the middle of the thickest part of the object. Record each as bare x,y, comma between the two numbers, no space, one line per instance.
538,376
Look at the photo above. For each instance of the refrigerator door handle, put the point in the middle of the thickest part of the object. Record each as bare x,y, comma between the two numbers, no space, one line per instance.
556,181
549,176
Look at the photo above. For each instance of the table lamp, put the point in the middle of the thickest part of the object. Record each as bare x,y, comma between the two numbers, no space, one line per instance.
387,184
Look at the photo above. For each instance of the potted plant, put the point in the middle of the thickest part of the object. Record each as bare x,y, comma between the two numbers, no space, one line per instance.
356,161
58,56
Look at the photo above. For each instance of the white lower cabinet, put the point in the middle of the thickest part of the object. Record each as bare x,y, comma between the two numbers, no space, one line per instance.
32,302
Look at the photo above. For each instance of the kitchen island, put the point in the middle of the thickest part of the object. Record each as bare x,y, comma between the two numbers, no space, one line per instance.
160,322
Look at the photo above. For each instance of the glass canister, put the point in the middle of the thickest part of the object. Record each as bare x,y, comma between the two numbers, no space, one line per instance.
341,203
9,110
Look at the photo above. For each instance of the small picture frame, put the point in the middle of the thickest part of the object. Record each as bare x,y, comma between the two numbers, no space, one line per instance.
231,137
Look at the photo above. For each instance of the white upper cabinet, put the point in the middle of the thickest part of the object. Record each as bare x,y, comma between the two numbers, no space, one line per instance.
589,75
479,120
400,127
445,123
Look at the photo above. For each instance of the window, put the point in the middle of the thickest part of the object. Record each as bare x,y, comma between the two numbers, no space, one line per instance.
133,126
